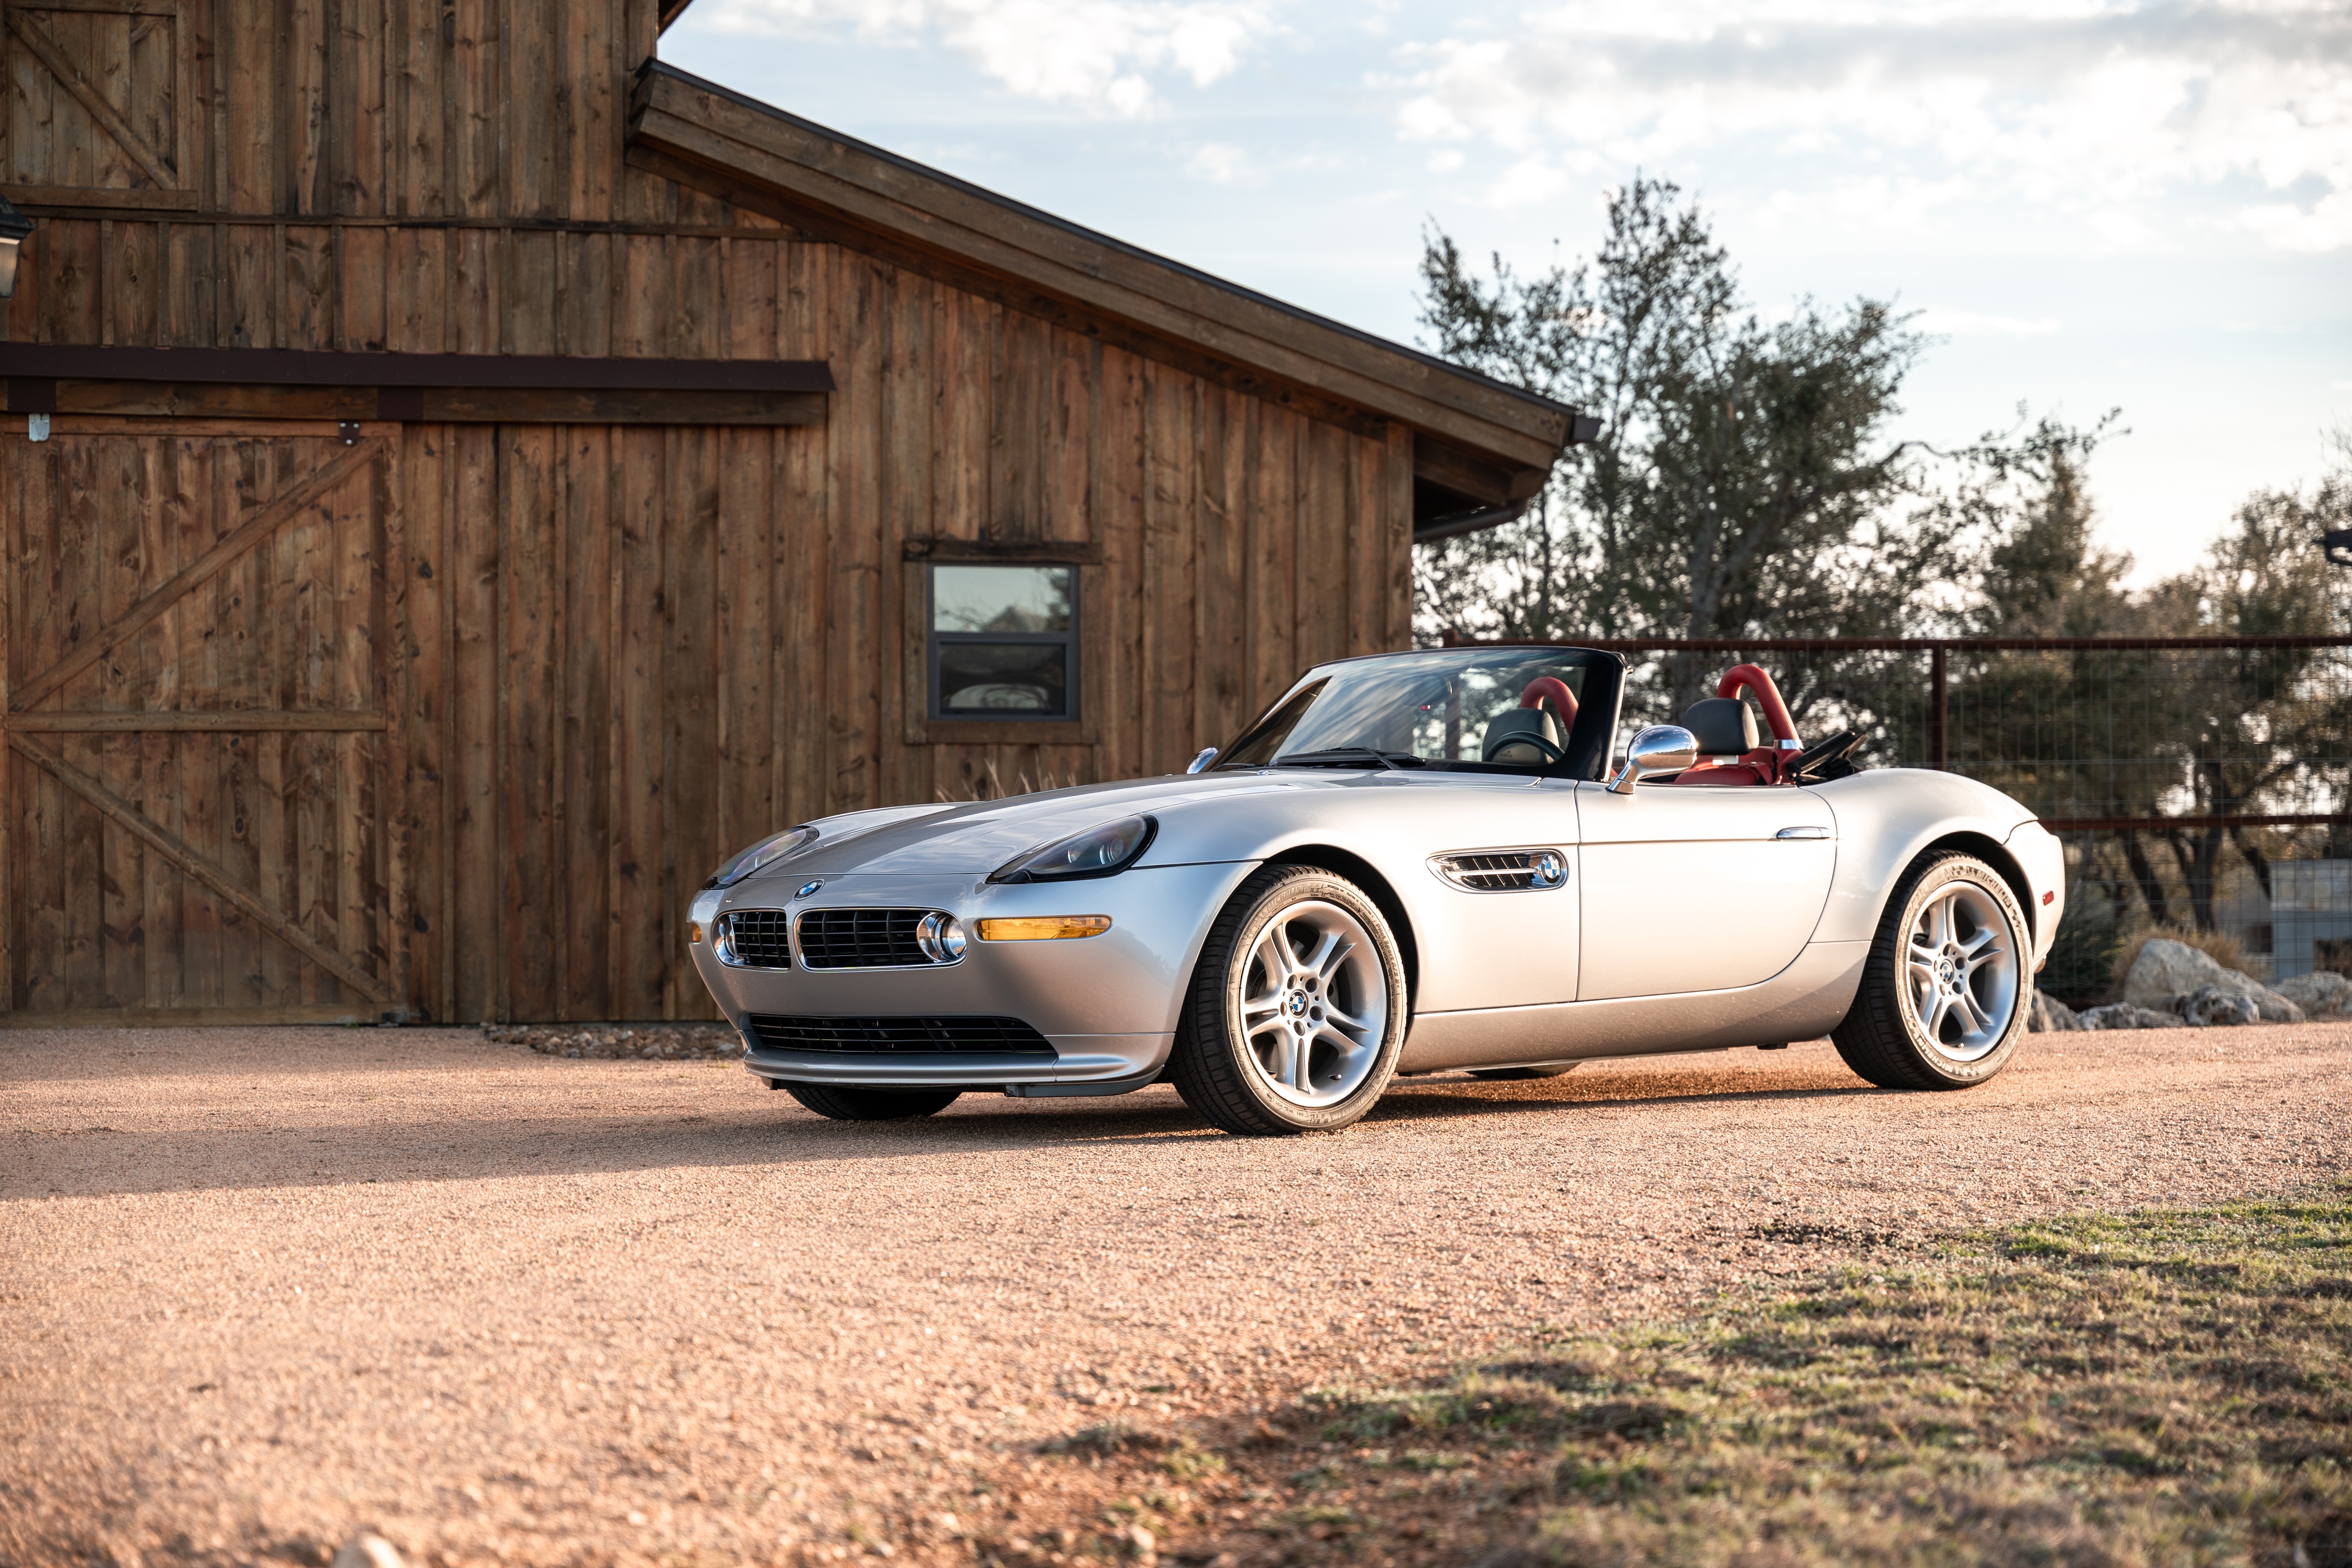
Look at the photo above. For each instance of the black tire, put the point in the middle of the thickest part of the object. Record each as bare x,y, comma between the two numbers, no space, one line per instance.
1513,1075
1883,1037
1218,1071
846,1102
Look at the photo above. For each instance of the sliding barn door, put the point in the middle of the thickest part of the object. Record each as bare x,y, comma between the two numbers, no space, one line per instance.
195,657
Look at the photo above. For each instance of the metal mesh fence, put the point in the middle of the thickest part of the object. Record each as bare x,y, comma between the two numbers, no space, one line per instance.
2200,784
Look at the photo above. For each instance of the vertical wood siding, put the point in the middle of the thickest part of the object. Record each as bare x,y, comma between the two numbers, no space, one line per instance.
605,657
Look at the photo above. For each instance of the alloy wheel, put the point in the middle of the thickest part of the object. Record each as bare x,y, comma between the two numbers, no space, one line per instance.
1312,1010
1961,971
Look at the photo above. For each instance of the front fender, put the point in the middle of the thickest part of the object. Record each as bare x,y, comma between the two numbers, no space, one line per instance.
1465,950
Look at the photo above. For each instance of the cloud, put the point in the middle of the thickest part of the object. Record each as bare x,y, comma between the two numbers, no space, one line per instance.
2327,225
1223,163
1528,182
1095,54
2078,106
1968,324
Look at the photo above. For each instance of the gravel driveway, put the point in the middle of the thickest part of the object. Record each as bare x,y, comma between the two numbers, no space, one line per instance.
260,1288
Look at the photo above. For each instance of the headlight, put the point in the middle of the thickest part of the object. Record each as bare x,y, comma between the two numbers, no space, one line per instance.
1102,851
766,852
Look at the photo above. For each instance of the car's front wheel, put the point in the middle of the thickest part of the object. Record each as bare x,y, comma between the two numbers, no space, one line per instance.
1297,1009
847,1102
1944,991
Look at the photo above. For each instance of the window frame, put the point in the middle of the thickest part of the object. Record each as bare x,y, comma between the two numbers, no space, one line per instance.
1066,640
911,638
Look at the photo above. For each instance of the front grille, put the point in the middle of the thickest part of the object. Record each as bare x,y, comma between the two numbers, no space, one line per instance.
881,1036
760,939
1502,870
861,938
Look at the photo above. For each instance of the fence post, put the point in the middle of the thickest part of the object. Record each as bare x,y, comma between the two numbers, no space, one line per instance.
1938,713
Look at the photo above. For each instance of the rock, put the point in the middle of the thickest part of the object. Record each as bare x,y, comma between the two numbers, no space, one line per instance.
2166,969
2207,1007
2319,993
2124,1015
2050,1017
367,1549
662,1042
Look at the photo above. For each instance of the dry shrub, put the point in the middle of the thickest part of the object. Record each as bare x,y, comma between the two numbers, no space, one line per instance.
2218,945
989,784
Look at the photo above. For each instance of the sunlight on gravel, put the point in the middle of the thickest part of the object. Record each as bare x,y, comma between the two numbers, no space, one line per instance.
262,1289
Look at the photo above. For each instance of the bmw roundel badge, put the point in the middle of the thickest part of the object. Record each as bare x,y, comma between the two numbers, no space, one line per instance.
808,887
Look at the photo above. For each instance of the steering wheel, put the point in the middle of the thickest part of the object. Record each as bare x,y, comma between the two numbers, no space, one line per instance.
1821,753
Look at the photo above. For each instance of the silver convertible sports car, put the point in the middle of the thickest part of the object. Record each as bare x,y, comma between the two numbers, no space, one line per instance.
1411,863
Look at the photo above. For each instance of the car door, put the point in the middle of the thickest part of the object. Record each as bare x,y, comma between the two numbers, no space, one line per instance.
1687,889
1491,933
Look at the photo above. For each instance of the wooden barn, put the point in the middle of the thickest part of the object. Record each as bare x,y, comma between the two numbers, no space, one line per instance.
461,478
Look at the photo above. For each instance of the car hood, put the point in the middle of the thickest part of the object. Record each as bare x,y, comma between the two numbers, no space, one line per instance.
979,836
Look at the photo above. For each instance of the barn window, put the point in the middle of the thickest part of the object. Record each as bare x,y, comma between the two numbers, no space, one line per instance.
1004,642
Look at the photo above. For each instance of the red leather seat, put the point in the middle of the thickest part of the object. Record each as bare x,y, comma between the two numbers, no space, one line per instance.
1730,753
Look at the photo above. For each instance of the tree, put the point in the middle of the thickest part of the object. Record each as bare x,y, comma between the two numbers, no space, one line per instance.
1744,483
2047,725
2152,732
2268,727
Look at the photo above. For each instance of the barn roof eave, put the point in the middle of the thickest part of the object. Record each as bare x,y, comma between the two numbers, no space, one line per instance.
688,121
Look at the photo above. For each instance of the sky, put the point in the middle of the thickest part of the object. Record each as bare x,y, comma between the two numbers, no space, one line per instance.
2091,204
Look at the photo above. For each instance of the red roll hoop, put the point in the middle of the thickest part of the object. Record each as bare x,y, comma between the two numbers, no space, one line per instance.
1553,687
1768,696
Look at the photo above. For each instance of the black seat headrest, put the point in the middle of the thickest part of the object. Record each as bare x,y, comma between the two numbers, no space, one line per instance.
1724,726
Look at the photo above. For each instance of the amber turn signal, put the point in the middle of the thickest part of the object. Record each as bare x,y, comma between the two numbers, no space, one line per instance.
694,931
1043,928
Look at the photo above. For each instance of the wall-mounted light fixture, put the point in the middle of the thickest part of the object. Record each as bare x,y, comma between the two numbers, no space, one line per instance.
14,227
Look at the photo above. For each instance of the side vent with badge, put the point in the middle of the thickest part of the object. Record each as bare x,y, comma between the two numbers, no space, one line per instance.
1502,870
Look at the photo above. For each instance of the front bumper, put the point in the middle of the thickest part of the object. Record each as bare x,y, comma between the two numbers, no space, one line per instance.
1106,1004
2042,856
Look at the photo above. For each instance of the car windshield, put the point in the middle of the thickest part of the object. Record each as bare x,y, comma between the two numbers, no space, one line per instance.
1499,708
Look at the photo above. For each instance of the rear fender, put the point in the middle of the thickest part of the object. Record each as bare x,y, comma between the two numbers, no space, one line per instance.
1887,818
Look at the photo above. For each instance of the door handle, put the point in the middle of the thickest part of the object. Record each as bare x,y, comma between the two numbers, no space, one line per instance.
1808,831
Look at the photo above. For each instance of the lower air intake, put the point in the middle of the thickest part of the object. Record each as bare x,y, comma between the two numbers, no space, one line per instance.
874,1037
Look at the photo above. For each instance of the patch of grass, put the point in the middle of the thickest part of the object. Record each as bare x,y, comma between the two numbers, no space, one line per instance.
1187,1461
2157,1387
1416,1459
1110,1437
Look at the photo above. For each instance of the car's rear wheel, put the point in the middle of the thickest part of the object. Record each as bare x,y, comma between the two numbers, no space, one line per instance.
1297,1009
846,1102
1944,991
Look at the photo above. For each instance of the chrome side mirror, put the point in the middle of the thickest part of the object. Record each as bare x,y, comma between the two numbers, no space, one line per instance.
1208,754
1660,749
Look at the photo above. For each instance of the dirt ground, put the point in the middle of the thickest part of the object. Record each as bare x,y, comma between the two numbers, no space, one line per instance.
259,1289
